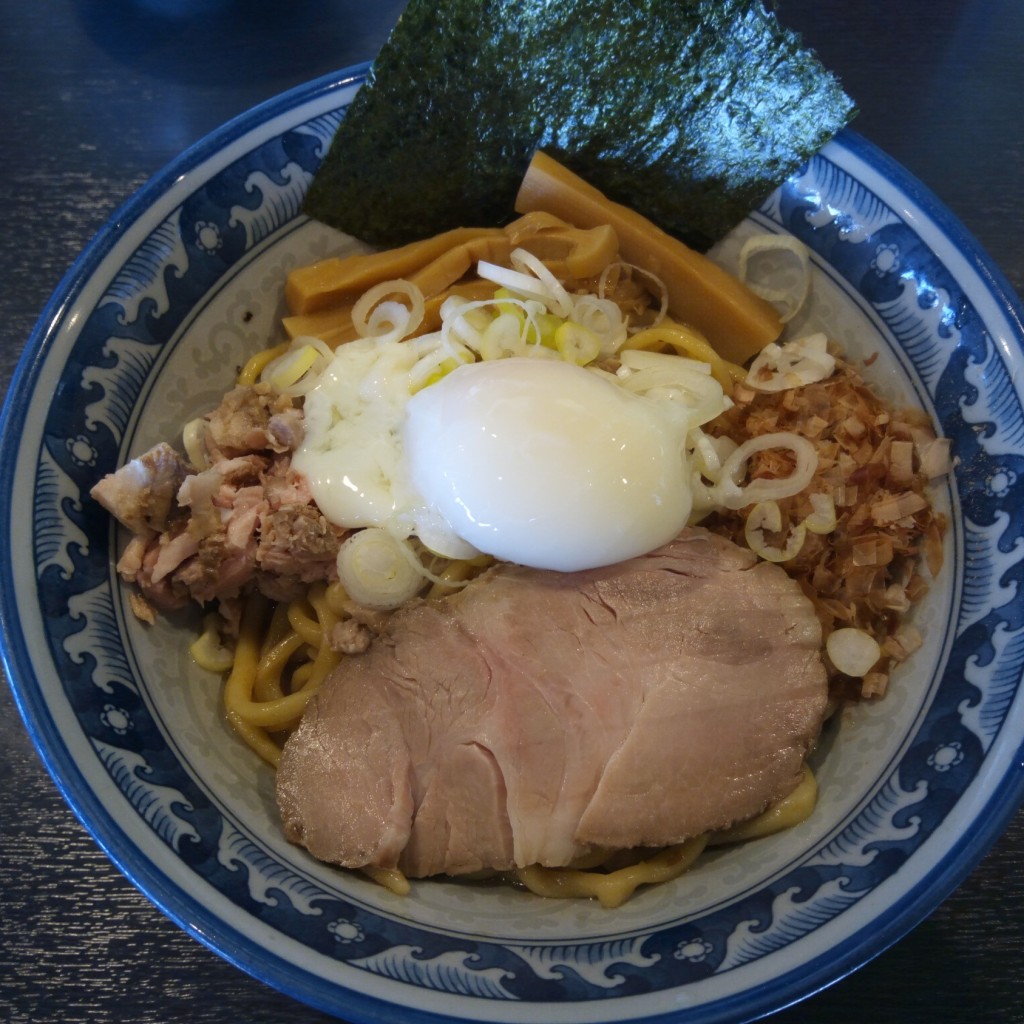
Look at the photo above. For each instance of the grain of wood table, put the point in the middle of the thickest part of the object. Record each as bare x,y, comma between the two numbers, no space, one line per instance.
97,96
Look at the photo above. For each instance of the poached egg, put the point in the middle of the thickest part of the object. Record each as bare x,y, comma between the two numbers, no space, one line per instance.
535,461
548,464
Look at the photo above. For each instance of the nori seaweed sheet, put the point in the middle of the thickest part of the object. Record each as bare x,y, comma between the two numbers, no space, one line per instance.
689,111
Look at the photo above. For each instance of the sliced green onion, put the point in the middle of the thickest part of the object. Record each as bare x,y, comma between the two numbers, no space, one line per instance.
685,381
377,315
193,440
602,288
297,371
604,318
376,572
792,365
791,297
286,370
541,328
463,322
434,365
729,494
520,284
503,337
642,359
576,344
709,453
767,516
852,651
559,300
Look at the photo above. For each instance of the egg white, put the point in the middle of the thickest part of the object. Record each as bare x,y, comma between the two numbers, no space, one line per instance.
548,464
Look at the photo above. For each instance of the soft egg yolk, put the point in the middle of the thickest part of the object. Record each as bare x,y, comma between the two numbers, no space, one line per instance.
548,464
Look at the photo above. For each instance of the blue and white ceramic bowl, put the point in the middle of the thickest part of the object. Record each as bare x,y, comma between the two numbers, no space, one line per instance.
147,330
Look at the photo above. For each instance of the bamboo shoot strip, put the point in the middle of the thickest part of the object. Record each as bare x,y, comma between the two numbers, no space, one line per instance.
736,322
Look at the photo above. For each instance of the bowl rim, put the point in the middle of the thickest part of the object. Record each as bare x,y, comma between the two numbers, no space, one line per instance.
191,914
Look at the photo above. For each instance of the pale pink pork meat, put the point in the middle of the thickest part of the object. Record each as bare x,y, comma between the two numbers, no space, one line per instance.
536,715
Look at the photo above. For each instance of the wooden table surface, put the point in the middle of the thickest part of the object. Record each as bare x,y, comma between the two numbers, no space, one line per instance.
96,96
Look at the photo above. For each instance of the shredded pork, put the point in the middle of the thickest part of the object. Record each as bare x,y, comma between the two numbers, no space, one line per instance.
243,521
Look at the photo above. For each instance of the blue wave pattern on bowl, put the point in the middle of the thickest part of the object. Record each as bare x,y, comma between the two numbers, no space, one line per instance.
113,359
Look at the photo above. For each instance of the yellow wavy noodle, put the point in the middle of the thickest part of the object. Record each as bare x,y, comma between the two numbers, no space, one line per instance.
281,659
337,599
391,878
686,341
612,888
784,814
254,367
456,573
209,649
283,655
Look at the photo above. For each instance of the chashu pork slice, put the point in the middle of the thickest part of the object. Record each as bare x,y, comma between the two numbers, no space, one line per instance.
536,715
